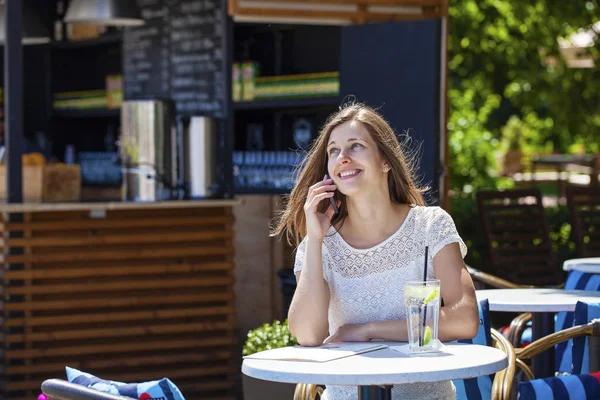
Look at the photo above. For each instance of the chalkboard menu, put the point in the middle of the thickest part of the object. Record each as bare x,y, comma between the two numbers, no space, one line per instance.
178,54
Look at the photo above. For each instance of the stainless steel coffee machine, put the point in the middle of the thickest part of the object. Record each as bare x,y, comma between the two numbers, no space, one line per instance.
148,150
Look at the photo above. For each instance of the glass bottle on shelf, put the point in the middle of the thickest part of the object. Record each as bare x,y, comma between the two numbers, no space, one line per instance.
59,25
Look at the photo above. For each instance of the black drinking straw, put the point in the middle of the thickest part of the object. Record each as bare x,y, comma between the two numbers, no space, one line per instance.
425,267
421,339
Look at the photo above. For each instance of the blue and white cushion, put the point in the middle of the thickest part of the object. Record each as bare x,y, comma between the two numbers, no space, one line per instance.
162,389
479,388
569,387
576,280
584,313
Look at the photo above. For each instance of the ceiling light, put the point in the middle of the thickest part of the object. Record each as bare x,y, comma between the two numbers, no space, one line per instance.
105,12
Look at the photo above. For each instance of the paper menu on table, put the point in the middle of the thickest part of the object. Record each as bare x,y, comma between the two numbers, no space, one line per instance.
323,353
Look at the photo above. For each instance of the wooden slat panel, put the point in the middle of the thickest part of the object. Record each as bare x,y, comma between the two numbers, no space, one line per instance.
355,11
514,221
139,253
521,251
118,317
112,348
116,332
124,285
137,295
119,302
408,3
119,224
512,237
150,238
216,356
117,270
584,209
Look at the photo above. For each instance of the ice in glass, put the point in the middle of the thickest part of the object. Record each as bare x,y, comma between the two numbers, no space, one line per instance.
422,301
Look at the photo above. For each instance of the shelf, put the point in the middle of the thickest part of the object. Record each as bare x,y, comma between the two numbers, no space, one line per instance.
112,38
287,103
98,113
261,191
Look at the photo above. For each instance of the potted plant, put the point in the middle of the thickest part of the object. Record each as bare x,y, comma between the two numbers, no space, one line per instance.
266,337
512,146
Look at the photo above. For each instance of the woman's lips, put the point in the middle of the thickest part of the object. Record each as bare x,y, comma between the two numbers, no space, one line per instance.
349,174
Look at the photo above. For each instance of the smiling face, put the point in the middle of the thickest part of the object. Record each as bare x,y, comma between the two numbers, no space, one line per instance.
353,160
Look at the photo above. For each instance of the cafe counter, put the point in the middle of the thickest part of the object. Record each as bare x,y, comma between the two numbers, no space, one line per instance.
127,291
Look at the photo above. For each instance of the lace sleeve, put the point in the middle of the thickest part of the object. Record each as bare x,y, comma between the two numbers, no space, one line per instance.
299,261
442,232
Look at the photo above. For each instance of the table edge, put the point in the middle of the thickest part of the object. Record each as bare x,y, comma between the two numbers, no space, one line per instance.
249,369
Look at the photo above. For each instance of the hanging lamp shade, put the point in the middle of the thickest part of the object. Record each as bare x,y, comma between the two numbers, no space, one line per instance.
105,12
34,31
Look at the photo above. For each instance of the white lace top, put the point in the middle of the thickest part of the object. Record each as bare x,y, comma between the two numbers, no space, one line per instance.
366,284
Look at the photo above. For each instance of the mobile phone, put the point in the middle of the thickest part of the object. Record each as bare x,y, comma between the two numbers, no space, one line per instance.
336,210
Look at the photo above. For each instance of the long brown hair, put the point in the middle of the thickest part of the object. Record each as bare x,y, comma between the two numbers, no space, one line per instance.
402,183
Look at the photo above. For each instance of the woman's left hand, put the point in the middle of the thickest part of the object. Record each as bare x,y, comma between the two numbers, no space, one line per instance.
350,333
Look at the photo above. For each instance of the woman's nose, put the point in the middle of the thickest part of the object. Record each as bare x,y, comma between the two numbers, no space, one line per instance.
343,157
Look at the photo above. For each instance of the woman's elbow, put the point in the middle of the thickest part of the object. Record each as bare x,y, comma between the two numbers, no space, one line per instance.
307,339
471,328
471,324
304,336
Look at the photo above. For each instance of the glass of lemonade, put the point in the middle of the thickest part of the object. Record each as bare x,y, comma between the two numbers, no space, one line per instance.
422,302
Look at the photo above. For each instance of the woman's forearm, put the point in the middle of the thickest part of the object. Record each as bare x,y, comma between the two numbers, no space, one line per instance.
307,317
454,324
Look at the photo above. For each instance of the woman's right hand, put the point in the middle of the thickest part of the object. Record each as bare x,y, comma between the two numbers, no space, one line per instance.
318,223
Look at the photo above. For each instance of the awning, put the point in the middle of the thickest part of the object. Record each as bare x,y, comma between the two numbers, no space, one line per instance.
335,12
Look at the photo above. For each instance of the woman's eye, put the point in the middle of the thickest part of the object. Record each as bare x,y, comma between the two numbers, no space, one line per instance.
356,145
333,151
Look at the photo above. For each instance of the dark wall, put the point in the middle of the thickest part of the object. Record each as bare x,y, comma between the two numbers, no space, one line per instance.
303,49
395,67
36,110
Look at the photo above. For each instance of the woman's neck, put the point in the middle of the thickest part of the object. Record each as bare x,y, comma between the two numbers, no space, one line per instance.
372,218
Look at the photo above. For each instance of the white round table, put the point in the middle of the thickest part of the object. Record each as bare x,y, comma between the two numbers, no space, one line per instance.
542,303
536,300
590,265
384,368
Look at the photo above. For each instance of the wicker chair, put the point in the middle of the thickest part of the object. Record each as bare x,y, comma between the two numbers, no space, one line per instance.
518,236
547,342
501,386
56,389
493,280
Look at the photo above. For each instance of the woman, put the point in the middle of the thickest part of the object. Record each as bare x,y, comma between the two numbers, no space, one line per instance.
350,267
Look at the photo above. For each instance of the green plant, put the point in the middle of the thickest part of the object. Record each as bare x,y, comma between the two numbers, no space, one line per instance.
267,337
512,134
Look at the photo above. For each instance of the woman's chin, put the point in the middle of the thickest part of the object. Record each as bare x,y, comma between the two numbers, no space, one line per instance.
349,190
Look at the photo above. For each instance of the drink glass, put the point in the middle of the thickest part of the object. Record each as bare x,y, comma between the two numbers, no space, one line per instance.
422,302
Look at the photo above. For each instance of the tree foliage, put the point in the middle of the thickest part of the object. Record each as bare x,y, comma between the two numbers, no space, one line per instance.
497,63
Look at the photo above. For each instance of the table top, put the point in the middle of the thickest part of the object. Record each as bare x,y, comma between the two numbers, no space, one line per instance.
536,300
590,265
384,367
563,158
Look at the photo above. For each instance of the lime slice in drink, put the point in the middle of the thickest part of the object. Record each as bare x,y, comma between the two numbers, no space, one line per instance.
427,337
431,296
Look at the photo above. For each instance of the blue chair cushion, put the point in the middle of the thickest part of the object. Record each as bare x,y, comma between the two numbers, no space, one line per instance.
584,313
162,389
479,388
569,387
576,280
